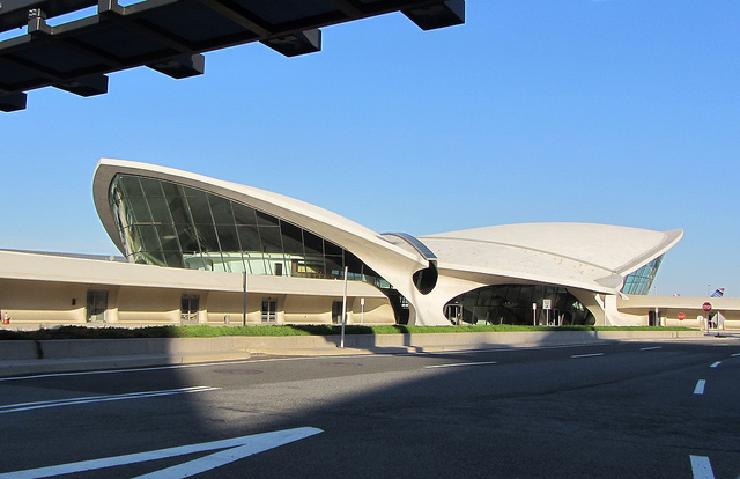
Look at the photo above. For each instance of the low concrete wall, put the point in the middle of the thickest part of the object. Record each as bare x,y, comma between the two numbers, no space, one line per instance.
90,348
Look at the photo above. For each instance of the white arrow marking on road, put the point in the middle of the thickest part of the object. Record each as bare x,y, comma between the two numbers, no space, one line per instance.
576,356
29,406
699,388
715,364
235,449
650,348
701,467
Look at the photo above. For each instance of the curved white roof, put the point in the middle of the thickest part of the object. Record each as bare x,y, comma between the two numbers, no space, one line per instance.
572,254
593,257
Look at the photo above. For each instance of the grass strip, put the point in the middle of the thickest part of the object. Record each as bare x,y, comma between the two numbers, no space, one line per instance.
205,331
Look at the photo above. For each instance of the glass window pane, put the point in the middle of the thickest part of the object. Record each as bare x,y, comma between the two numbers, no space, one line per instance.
249,238
131,187
149,238
140,210
263,219
207,237
160,210
173,259
168,237
244,215
187,237
178,209
221,210
292,238
332,249
151,188
228,238
200,210
314,245
271,241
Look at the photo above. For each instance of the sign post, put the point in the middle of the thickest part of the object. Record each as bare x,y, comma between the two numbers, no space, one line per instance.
707,308
534,314
362,310
547,306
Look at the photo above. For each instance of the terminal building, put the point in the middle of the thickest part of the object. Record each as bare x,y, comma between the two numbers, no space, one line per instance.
198,250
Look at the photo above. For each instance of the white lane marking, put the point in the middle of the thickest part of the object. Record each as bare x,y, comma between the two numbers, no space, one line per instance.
576,356
239,447
736,354
650,348
701,467
29,406
699,388
715,364
457,365
245,445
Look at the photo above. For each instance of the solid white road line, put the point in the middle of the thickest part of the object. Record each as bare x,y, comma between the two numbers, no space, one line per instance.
238,448
701,467
650,348
274,360
29,406
715,364
735,355
576,356
699,388
457,365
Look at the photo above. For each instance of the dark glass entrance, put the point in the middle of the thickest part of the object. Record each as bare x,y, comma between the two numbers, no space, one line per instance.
97,304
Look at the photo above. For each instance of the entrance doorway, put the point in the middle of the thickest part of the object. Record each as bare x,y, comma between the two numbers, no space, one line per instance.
269,310
653,318
454,312
97,304
189,307
336,312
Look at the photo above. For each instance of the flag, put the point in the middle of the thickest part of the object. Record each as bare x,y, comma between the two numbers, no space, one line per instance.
718,293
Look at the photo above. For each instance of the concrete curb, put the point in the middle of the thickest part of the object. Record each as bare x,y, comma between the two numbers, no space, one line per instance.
25,357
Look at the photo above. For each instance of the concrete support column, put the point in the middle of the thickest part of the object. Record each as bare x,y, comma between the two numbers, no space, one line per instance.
111,314
203,308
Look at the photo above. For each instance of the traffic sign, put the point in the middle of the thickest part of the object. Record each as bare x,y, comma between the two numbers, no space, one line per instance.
547,304
707,306
681,315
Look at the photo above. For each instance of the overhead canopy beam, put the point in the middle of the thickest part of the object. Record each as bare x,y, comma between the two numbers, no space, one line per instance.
181,66
170,36
299,43
439,15
13,101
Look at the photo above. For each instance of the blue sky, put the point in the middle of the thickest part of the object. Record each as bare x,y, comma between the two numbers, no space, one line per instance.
615,111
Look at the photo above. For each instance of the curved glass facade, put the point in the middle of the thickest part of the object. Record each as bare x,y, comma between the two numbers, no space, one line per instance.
640,281
168,224
512,304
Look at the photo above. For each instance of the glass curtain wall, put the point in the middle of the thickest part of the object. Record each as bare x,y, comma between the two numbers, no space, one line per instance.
512,304
640,281
167,224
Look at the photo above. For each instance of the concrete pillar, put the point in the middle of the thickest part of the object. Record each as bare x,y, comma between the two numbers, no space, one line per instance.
203,308
111,314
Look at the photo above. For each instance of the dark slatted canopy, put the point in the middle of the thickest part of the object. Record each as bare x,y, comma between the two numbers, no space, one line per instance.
170,36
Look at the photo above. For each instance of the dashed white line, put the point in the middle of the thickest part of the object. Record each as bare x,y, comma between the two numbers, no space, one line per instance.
699,388
576,356
650,348
456,365
701,467
29,406
715,364
735,355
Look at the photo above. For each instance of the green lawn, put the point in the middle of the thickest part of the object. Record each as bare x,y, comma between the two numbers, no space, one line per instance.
197,331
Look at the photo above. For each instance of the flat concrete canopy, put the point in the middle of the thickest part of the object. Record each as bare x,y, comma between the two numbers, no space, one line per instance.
170,36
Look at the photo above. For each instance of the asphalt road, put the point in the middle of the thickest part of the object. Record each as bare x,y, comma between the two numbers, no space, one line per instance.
626,410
